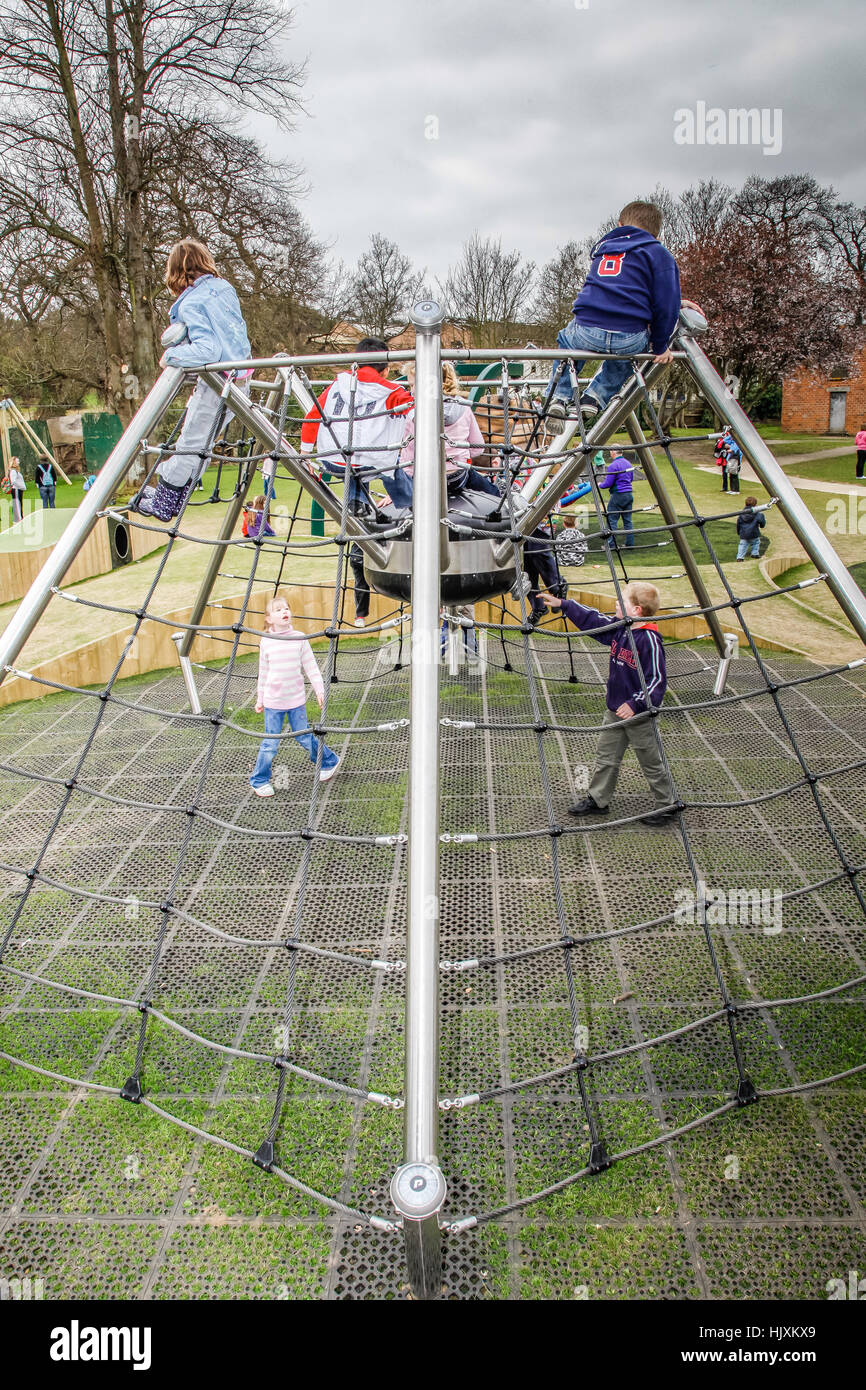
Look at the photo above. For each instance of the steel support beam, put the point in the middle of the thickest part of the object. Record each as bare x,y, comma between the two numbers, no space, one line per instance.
418,1188
850,598
678,535
217,555
267,434
108,479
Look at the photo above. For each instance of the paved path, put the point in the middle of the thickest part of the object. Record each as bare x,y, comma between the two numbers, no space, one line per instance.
801,484
819,454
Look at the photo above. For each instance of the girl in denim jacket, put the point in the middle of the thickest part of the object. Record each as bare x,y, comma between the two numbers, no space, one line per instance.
207,308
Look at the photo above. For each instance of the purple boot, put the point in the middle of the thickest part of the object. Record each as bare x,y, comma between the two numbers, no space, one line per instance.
162,502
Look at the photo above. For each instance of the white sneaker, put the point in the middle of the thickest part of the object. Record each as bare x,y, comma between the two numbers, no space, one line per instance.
328,772
266,790
360,622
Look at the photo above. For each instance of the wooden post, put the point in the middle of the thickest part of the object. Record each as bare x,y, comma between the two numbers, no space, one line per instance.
4,440
33,438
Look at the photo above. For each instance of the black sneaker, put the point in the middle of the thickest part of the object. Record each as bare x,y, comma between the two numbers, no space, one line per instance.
589,406
659,817
588,807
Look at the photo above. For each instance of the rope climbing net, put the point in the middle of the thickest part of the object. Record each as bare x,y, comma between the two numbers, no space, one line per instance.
236,965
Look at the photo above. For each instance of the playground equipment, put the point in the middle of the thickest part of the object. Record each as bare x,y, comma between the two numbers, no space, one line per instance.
570,942
9,411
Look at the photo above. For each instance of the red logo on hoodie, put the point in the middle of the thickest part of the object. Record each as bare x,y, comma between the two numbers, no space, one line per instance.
611,264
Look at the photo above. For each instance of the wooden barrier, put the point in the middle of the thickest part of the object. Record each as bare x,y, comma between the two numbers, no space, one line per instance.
153,650
92,664
19,568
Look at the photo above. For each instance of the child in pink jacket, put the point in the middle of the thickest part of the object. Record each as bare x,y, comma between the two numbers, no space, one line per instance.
284,658
463,438
860,446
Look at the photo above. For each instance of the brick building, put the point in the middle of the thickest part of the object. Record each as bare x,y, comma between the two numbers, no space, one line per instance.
826,403
345,335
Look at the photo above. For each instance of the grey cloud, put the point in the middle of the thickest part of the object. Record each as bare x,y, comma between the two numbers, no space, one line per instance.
550,117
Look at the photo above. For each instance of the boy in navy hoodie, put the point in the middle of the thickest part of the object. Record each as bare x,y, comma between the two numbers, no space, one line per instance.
625,698
630,302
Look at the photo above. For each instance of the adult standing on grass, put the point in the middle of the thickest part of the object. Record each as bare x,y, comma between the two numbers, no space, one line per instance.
860,446
18,487
46,482
733,464
619,478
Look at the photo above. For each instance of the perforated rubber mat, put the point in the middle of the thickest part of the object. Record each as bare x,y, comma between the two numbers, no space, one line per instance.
106,1198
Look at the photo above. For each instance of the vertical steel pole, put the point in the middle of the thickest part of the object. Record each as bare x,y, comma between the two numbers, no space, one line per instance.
794,509
418,1187
108,479
669,514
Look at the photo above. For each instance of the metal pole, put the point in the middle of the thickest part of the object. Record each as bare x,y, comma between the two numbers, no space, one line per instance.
186,672
264,431
851,599
608,422
418,1187
678,536
109,478
217,555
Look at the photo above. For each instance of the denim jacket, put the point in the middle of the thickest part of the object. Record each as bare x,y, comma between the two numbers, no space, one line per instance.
216,331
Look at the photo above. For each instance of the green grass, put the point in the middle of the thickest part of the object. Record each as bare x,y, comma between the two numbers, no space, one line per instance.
722,536
840,469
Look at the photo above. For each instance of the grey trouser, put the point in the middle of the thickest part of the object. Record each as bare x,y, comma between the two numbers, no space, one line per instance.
613,740
192,451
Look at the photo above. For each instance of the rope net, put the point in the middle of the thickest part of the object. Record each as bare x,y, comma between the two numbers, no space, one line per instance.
235,965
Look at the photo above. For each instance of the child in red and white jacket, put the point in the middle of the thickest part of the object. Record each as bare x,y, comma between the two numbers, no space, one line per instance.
377,427
625,700
285,657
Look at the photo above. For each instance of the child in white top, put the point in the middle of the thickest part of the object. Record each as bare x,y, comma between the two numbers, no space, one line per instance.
284,659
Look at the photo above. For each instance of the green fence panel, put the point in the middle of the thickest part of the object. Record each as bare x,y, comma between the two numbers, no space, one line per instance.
101,432
24,450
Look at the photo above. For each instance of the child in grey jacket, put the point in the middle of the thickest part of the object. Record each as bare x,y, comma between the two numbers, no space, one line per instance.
207,307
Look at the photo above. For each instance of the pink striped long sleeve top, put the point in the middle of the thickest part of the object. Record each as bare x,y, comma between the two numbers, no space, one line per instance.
283,662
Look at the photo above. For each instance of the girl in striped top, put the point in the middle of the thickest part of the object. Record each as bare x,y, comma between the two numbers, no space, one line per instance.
284,659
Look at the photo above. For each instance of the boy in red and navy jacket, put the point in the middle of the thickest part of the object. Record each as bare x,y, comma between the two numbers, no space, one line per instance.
626,700
378,411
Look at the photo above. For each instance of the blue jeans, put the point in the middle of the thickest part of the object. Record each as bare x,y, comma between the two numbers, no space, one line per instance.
619,508
274,720
398,485
47,494
742,547
580,337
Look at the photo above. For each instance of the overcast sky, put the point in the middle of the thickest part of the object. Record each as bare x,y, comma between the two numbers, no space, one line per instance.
551,116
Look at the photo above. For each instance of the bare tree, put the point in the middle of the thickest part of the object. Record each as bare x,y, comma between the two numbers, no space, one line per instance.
558,283
87,89
488,290
385,284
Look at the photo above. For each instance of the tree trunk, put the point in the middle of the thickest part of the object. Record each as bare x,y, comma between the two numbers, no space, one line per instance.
126,139
102,270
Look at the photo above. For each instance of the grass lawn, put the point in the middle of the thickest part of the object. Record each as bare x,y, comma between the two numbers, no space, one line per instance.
782,443
65,626
840,469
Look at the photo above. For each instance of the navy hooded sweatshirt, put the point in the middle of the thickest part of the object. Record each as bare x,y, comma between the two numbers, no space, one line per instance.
633,282
623,681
